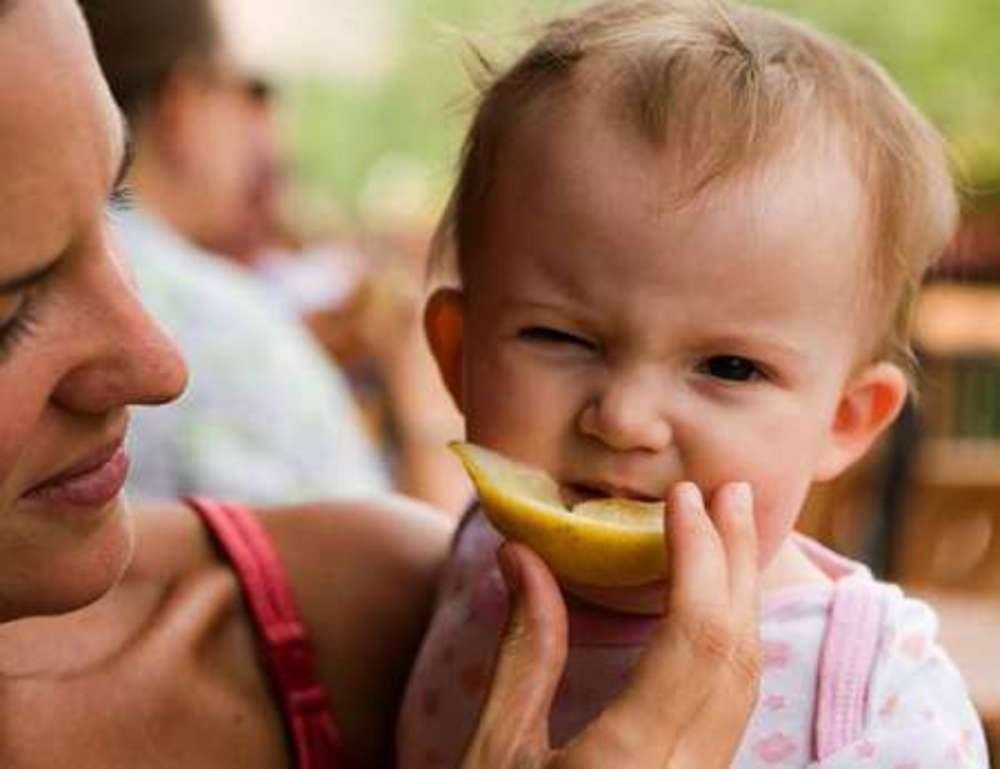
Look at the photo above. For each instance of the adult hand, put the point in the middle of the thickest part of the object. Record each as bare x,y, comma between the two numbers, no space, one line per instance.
695,686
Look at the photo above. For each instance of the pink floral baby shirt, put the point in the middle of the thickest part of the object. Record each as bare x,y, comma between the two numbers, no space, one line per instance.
853,676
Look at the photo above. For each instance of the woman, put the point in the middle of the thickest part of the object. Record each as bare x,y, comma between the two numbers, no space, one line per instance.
125,642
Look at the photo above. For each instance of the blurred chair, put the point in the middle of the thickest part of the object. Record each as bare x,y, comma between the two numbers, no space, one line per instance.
950,533
957,332
924,509
947,547
948,553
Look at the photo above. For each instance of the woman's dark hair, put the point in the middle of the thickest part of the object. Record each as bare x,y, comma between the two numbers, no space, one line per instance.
141,43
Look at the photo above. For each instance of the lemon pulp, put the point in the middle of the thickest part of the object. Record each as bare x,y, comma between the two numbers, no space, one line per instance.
601,542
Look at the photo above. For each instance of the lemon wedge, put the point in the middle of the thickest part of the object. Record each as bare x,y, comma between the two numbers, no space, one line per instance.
601,543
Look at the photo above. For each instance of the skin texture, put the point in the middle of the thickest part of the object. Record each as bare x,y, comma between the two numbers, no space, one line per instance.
115,655
147,657
694,686
65,384
624,343
170,657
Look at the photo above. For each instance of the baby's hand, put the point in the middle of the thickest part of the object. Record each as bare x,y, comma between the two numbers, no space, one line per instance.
695,686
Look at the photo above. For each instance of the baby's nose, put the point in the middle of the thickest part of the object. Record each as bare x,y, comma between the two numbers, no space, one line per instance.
628,415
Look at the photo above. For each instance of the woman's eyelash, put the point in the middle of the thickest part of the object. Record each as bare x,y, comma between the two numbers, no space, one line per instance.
18,327
122,198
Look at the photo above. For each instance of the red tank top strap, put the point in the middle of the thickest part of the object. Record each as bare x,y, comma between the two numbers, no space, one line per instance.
282,637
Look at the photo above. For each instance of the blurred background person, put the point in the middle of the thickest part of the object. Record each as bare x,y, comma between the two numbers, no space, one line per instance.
267,417
269,412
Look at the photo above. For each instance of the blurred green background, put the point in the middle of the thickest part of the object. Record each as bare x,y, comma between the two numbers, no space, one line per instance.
382,145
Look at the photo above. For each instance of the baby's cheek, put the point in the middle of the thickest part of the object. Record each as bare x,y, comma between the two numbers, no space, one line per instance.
776,516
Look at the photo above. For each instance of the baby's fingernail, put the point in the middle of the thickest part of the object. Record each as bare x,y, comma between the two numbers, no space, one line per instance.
742,497
687,495
509,568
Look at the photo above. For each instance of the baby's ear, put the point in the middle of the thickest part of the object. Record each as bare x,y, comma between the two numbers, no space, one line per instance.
869,403
444,320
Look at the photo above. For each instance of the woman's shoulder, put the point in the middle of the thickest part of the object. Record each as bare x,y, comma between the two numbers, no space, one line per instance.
171,543
316,543
363,575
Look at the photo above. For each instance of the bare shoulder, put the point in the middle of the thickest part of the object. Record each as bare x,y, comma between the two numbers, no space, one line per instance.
364,575
372,562
170,542
375,560
394,529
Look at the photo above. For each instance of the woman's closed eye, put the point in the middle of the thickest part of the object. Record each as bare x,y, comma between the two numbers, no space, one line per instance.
19,299
121,199
733,368
554,337
17,324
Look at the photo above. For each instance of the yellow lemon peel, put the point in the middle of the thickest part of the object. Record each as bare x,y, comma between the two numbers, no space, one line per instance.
601,542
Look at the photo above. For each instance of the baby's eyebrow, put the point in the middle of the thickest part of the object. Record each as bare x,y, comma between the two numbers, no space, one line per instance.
755,339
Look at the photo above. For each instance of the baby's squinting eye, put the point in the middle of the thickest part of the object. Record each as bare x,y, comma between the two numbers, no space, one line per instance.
732,368
553,336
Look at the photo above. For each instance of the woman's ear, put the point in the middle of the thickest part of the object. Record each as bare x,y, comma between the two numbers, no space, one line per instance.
444,320
869,403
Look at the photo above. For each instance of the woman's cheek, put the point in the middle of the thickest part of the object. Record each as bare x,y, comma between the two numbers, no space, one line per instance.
14,440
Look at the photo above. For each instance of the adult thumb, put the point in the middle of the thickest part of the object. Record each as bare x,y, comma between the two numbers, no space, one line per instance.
513,726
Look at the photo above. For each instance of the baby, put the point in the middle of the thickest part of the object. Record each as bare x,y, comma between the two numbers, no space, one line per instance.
687,241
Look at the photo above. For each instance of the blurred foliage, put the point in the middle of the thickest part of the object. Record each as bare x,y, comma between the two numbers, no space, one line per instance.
358,143
944,54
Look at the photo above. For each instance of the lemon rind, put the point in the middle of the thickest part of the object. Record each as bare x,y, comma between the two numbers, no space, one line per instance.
578,549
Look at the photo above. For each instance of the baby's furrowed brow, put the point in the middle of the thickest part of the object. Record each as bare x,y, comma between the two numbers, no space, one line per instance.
753,343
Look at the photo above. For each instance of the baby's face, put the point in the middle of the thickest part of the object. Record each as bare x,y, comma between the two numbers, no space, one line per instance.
624,345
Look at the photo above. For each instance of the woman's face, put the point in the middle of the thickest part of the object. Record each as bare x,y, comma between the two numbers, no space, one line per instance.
76,347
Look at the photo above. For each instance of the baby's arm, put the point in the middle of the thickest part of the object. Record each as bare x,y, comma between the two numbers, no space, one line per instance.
919,715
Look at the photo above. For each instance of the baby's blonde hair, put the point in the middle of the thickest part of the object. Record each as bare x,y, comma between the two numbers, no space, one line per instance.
729,87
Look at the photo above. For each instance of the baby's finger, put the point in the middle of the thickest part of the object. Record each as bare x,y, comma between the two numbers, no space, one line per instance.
699,573
732,511
513,727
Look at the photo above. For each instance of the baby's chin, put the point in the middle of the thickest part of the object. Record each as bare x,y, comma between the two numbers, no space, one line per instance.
643,599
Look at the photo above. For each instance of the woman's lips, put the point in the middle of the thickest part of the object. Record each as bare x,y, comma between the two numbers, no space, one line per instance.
94,481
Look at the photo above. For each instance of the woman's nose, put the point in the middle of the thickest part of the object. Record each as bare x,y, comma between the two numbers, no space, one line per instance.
125,357
628,415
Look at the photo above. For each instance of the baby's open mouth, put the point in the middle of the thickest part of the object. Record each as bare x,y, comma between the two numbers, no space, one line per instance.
575,493
605,542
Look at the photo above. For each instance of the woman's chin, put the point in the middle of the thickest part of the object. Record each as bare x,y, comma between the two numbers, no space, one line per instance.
70,573
643,599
